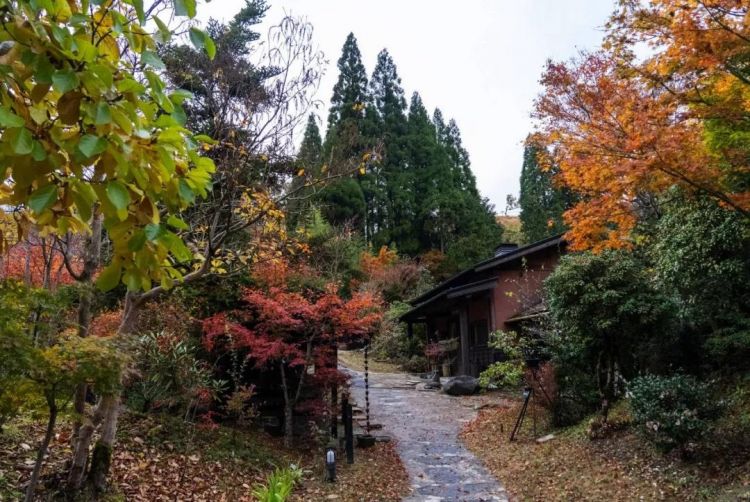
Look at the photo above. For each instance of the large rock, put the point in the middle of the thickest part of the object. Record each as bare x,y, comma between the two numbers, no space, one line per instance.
462,385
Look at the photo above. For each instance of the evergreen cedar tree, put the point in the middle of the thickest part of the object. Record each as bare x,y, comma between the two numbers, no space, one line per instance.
422,196
542,201
622,129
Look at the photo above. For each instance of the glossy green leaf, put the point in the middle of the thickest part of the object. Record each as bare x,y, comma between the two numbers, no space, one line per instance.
43,198
184,8
150,58
137,242
153,231
10,119
103,114
91,145
22,142
118,195
65,80
186,192
177,223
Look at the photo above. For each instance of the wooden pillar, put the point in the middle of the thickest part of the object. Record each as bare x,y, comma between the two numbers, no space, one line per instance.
463,327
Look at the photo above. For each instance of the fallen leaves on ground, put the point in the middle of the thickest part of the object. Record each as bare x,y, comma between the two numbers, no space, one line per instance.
163,458
377,475
573,467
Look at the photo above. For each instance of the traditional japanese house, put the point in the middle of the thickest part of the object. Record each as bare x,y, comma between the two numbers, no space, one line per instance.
501,293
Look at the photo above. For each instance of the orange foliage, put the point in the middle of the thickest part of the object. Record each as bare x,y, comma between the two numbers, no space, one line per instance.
373,265
106,323
620,128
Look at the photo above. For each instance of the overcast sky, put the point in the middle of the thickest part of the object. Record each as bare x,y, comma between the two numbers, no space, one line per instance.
478,60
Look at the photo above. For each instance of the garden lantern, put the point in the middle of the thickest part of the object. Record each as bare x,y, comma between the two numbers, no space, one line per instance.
331,464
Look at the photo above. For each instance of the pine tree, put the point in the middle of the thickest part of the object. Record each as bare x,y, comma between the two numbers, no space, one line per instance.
307,166
350,92
348,136
542,204
396,225
433,177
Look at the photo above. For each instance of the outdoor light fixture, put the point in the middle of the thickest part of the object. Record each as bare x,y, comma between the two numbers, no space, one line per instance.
331,464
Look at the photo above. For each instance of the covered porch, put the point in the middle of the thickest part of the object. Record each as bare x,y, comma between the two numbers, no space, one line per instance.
459,319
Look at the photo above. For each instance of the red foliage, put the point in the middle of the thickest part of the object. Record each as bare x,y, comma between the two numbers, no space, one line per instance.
281,325
31,262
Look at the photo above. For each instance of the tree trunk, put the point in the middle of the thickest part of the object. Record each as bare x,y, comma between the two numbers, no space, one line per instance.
101,459
77,474
288,409
91,260
288,425
42,449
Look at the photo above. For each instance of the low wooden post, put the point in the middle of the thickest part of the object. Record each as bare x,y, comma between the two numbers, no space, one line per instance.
347,418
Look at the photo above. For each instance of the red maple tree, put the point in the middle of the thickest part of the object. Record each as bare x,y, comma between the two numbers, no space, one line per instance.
293,332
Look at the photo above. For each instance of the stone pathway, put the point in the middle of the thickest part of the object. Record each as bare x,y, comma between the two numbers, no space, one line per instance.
425,425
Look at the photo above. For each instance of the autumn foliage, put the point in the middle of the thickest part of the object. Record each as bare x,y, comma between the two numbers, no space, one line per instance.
624,129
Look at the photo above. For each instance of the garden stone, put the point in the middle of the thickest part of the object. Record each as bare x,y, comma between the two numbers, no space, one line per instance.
462,385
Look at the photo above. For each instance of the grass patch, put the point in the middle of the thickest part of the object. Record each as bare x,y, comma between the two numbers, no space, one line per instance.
355,360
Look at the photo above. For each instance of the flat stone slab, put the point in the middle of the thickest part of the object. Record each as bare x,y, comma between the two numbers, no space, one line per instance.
425,428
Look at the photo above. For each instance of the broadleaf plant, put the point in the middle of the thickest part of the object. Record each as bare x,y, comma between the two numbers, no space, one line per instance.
89,131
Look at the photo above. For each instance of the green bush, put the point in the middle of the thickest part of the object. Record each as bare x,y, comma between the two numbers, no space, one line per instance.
278,485
508,373
673,411
170,375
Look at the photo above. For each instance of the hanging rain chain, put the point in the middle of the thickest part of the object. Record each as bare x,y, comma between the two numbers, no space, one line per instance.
367,390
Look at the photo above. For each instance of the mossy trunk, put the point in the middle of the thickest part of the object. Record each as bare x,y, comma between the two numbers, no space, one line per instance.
101,460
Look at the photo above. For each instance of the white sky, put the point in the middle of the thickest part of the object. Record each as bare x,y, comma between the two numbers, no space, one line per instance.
478,60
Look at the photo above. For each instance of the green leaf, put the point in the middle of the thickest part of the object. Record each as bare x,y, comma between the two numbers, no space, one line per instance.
118,195
110,277
176,247
202,41
64,81
10,119
153,231
137,242
150,58
197,38
22,142
103,114
91,145
186,192
43,198
177,223
38,152
210,47
165,34
184,8
138,6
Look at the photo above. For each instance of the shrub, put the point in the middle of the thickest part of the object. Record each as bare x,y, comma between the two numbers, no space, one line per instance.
673,411
278,485
416,364
391,342
170,375
508,373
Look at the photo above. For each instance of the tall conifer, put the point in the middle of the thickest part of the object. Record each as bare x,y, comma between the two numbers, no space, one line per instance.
542,204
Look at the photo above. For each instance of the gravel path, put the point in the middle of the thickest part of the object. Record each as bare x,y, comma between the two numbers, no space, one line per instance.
425,425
